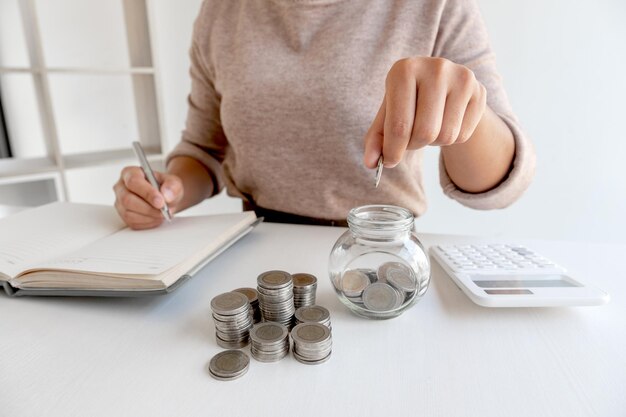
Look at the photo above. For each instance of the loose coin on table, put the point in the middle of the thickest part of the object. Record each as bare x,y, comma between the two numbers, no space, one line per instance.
399,276
382,297
229,365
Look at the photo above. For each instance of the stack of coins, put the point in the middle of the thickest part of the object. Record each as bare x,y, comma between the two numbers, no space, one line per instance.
353,283
229,365
269,342
253,299
276,297
304,287
231,314
313,314
399,276
312,343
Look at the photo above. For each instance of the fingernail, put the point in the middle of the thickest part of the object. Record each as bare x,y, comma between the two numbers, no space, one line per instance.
157,201
168,194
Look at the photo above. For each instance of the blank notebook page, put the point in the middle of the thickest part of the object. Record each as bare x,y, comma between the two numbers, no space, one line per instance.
37,235
153,251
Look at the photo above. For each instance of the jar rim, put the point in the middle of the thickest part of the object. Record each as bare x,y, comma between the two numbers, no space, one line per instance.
381,217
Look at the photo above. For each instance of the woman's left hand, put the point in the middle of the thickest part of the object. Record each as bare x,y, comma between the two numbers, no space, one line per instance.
428,101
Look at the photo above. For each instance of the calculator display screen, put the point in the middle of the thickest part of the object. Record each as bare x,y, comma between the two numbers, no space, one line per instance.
513,281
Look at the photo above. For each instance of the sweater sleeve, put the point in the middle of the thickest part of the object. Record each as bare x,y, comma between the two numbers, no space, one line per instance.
462,38
203,137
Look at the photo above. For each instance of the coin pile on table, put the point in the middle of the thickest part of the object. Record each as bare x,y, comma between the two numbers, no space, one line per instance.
382,290
269,341
276,297
253,299
304,288
238,315
313,314
231,314
229,365
312,343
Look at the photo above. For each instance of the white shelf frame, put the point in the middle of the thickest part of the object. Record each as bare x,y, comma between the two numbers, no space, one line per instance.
78,70
147,95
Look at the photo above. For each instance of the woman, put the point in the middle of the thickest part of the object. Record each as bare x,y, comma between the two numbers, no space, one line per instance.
294,101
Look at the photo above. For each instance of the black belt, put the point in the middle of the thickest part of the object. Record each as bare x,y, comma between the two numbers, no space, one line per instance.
273,216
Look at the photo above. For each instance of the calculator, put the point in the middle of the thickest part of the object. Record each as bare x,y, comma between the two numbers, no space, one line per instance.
509,275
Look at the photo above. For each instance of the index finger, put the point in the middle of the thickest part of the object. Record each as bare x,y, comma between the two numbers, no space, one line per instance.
136,182
399,115
374,138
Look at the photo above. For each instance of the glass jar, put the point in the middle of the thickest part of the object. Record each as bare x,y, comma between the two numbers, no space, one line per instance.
379,268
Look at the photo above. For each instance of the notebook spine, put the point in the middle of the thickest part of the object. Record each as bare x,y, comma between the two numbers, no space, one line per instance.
8,289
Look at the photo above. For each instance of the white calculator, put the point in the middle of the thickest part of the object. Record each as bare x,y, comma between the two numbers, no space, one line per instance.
506,275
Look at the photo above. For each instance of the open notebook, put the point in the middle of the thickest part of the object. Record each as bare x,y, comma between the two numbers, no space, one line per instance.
84,249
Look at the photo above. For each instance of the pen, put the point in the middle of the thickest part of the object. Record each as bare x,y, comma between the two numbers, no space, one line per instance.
147,170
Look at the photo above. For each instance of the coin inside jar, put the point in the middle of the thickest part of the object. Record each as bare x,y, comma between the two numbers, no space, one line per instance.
354,282
399,276
382,297
371,274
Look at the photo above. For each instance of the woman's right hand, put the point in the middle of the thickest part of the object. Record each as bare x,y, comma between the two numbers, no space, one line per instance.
139,204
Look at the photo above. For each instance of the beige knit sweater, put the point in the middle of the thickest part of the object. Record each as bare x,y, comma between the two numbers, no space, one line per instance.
283,92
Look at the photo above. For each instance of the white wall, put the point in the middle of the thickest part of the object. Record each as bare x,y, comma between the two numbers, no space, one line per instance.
564,66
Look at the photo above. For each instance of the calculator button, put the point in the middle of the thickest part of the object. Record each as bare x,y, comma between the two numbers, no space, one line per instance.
459,259
469,268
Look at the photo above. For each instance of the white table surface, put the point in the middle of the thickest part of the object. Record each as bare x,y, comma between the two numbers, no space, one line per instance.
445,357
6,210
